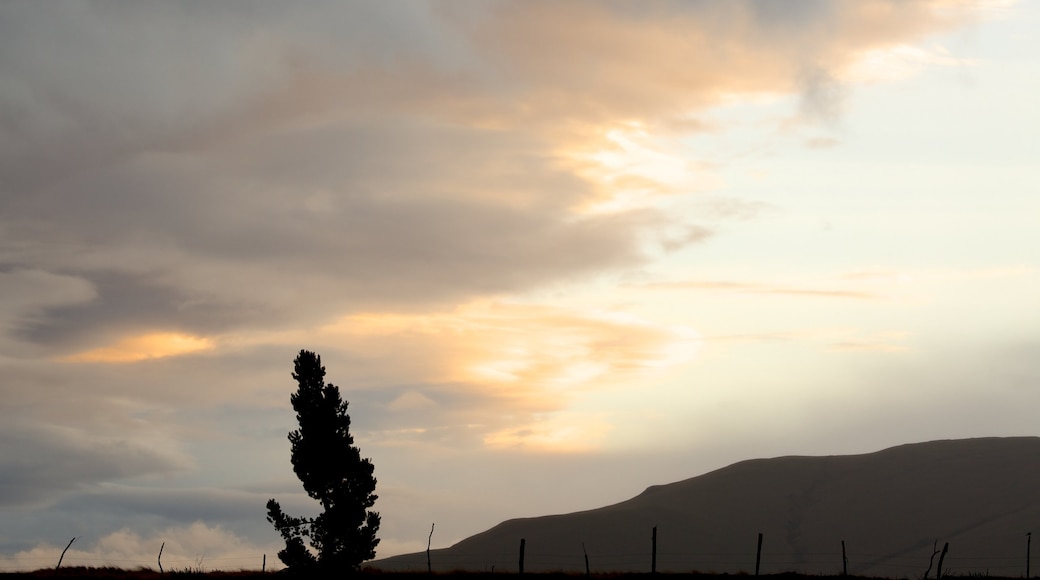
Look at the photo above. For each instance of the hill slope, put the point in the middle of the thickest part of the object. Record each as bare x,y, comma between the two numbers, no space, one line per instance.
890,507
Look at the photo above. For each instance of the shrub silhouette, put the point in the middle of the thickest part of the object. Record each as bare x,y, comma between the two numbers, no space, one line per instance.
333,472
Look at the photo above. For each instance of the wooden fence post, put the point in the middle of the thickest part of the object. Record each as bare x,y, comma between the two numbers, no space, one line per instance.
844,560
523,543
429,541
63,553
263,565
159,559
653,552
758,554
1029,540
584,551
938,571
931,560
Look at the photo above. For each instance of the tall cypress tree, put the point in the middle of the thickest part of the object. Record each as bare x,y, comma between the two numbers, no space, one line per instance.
333,472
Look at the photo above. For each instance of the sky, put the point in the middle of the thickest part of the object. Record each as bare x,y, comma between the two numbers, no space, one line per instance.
551,252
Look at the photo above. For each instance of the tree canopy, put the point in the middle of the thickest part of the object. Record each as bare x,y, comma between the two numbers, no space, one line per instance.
333,472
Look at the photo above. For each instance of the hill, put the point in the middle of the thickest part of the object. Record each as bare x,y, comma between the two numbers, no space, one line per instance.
889,507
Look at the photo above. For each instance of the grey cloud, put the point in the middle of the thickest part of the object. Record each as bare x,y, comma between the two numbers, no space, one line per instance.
378,255
822,96
40,462
29,293
385,212
83,90
177,505
100,70
211,167
367,254
99,510
114,398
686,236
129,303
224,410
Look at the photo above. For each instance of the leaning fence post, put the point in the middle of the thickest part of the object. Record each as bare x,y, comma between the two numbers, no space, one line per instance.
523,543
584,551
758,553
63,553
931,560
159,559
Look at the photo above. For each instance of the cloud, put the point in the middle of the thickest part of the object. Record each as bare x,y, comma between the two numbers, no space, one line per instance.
190,193
335,168
484,374
179,506
822,96
122,304
902,61
40,462
496,367
194,547
153,345
558,433
29,294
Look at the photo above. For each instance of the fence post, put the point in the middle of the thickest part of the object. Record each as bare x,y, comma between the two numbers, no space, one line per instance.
653,552
758,554
523,543
429,541
931,560
584,551
844,560
263,565
1029,540
63,553
938,571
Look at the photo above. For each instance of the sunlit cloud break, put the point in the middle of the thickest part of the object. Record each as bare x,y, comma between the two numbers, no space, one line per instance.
143,347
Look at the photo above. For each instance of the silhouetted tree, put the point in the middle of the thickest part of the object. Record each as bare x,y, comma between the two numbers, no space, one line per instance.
333,473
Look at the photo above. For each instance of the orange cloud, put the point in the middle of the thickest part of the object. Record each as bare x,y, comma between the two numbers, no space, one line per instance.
560,433
528,346
593,87
142,347
523,367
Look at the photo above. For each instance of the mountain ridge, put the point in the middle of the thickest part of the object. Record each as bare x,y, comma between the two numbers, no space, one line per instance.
890,506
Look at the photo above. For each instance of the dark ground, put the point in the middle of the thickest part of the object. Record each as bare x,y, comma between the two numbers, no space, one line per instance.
147,574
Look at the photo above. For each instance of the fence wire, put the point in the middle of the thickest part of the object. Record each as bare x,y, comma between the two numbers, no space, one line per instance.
815,562
14,562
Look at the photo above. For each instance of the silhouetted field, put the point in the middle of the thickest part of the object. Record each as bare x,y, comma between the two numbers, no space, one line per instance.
147,574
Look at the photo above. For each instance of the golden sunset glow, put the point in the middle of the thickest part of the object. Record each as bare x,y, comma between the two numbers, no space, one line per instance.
528,345
634,168
559,433
143,347
535,359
